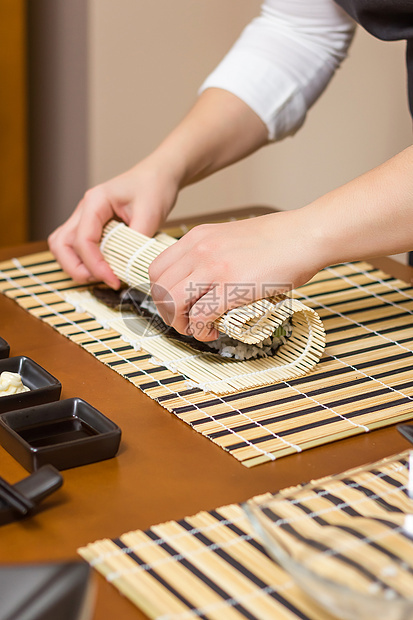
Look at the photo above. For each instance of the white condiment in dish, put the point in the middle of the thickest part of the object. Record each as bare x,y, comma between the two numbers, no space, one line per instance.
11,383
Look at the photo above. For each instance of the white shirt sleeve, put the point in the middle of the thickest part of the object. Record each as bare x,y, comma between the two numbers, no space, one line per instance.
284,59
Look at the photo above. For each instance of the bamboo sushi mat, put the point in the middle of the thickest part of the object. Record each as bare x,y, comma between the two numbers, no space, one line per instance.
363,381
213,564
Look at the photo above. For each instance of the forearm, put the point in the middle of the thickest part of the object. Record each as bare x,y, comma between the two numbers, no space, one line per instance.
261,90
370,216
219,130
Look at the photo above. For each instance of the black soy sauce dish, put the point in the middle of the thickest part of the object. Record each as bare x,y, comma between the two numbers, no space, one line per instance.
66,434
4,348
43,387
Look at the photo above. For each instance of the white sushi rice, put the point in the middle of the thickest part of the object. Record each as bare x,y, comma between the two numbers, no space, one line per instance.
230,347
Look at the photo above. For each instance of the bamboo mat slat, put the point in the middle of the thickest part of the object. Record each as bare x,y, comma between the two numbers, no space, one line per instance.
363,381
214,565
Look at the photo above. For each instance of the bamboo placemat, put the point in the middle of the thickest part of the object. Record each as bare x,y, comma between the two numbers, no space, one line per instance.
363,381
213,564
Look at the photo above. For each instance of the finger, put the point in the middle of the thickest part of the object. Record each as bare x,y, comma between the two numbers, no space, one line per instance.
203,313
60,244
174,297
180,320
175,293
164,302
97,266
192,246
146,222
73,266
57,239
89,233
177,274
167,258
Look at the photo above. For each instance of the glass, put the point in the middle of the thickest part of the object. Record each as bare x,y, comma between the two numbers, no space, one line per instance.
347,541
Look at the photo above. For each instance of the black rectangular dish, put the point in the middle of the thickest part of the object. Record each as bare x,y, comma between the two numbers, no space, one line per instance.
4,349
43,387
53,590
65,434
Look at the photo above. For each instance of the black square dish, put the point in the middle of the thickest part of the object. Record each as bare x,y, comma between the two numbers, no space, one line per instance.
4,349
65,434
43,387
60,590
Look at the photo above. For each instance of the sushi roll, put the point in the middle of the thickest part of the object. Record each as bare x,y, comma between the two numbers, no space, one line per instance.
130,299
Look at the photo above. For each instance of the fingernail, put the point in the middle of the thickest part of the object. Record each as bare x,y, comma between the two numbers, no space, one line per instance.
115,284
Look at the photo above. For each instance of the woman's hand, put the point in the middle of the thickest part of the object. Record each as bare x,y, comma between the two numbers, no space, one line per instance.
219,130
216,267
142,197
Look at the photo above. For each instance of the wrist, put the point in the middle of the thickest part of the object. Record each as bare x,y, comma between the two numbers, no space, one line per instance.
310,237
184,154
319,239
166,166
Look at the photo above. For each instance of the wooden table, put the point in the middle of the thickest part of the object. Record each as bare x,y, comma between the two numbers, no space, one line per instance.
164,469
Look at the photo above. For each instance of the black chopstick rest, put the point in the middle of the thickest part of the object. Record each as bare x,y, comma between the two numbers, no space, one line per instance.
20,499
14,499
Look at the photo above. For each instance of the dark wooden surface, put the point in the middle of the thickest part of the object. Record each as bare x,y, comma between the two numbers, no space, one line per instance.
164,469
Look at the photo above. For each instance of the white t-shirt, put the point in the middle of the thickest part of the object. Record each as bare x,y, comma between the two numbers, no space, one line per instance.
284,59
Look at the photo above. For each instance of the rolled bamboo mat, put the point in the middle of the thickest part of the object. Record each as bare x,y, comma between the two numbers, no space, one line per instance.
214,564
363,381
130,254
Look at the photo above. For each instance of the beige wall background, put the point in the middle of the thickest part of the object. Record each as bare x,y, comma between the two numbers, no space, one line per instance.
145,62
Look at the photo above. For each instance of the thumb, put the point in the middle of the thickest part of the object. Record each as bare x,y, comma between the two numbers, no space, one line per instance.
145,221
204,312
